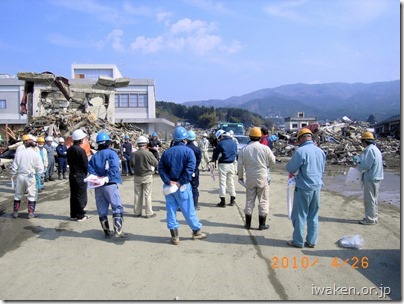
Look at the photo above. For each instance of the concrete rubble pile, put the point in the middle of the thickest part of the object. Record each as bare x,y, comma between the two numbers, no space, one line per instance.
341,148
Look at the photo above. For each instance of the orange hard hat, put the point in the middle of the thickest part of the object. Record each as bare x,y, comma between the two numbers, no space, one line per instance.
303,131
255,132
367,136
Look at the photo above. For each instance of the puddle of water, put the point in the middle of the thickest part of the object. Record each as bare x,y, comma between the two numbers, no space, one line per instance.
389,192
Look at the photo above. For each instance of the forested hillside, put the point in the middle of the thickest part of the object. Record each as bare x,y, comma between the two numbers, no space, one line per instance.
205,117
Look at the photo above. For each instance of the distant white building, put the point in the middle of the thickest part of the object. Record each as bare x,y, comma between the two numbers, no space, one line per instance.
298,122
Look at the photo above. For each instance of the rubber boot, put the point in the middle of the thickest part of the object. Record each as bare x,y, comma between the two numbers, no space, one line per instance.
31,209
60,176
51,179
175,239
118,225
16,207
232,200
196,201
105,227
248,221
222,202
262,220
64,175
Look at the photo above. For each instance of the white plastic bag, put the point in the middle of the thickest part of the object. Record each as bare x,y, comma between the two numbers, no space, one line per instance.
354,178
289,195
352,241
94,181
169,189
212,170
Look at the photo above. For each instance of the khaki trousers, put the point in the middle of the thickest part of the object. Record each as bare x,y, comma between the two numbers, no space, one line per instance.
263,200
143,188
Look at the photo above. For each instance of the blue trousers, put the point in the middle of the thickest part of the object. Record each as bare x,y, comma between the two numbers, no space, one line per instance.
306,204
108,195
185,201
62,165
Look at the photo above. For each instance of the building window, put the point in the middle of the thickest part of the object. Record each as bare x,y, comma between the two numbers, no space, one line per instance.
131,100
294,126
3,104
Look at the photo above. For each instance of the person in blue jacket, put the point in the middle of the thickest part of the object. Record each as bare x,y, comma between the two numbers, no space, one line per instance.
371,166
195,177
105,163
176,166
308,165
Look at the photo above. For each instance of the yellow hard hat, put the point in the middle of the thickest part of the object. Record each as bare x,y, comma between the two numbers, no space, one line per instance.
255,132
40,139
303,131
26,137
367,136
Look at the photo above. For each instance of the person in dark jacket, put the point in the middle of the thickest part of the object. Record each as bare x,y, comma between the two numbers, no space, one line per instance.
154,145
227,149
78,162
126,151
105,163
61,151
176,167
195,177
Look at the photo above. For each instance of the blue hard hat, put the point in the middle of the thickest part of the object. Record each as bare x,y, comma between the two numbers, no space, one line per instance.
180,133
126,137
154,134
191,135
102,137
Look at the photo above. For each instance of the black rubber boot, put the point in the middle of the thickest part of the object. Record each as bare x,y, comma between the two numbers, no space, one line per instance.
262,220
232,200
60,176
175,239
222,202
248,221
64,176
16,207
31,209
118,219
196,201
105,227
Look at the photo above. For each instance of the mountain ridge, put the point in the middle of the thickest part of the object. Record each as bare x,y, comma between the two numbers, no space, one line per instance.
324,101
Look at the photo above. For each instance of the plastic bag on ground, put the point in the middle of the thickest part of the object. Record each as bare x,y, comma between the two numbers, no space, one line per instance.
352,241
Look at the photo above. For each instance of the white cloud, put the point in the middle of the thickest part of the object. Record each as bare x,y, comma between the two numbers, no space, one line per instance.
147,45
191,26
116,38
287,9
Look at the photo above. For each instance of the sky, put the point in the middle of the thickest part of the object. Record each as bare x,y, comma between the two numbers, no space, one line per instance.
206,49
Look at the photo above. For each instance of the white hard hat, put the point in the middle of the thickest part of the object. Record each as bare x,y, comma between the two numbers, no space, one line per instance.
61,139
231,132
220,133
142,140
32,137
48,138
78,134
205,135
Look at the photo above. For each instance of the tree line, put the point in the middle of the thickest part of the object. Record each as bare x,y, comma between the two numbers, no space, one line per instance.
206,117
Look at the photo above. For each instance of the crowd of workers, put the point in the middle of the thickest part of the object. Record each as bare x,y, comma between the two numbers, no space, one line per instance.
179,167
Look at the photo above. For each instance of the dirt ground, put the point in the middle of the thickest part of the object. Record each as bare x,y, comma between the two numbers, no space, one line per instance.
53,258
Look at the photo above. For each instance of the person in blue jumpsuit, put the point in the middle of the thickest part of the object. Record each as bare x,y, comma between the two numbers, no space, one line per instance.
307,164
195,177
61,151
105,163
176,166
